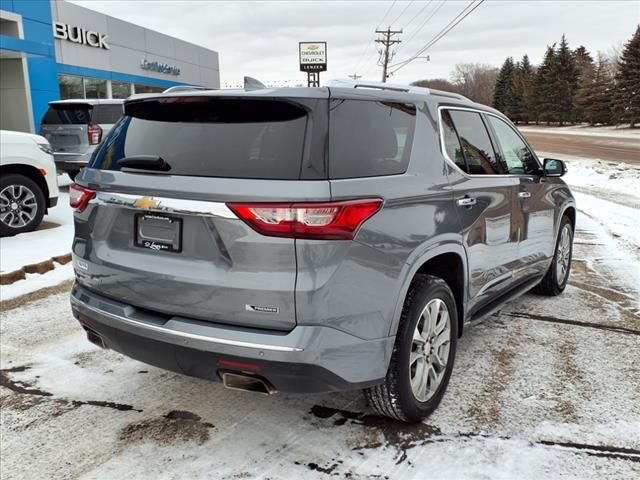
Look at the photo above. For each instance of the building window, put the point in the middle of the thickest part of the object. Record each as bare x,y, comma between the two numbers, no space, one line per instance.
95,88
120,89
140,88
70,87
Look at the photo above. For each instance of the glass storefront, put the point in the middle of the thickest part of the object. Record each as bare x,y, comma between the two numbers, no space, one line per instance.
120,89
72,86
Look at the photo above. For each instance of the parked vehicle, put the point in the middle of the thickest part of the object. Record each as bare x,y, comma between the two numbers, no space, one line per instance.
313,239
75,128
28,181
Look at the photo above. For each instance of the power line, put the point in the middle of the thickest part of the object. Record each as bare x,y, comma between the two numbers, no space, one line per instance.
436,38
422,25
366,49
402,12
417,14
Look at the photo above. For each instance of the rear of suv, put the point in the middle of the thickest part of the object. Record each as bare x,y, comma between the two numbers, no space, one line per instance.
74,128
311,240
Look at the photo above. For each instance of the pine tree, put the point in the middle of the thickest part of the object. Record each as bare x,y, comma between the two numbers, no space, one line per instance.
626,99
522,85
541,102
564,83
503,94
594,95
585,71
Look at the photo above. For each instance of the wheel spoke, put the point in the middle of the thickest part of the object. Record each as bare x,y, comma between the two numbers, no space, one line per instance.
417,337
414,357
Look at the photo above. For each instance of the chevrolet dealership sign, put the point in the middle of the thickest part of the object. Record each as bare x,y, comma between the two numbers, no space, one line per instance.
313,56
64,31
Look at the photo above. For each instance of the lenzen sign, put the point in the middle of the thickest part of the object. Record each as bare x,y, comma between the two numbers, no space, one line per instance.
313,56
63,31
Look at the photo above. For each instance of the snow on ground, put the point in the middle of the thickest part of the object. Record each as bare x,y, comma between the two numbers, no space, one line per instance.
53,238
608,131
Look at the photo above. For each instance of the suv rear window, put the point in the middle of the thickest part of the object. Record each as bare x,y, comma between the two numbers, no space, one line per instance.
107,113
68,114
212,136
369,138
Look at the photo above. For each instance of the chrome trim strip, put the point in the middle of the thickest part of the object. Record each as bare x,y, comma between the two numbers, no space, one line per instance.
68,154
443,148
164,205
192,336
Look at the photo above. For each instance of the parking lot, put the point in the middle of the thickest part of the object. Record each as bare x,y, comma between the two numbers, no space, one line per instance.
547,387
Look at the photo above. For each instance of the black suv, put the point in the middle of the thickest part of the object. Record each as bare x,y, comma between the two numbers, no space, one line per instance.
313,239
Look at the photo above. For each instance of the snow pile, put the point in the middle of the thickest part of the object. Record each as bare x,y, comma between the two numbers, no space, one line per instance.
610,131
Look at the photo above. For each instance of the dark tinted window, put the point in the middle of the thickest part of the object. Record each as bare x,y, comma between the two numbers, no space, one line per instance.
476,144
452,142
204,136
515,154
368,138
68,114
107,113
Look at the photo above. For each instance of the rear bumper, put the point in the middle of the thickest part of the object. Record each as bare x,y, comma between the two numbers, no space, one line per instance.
306,359
70,162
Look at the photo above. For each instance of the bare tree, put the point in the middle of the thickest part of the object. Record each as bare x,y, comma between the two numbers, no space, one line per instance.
475,81
437,84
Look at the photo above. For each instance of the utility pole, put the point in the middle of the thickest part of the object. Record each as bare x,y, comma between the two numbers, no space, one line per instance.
355,76
387,40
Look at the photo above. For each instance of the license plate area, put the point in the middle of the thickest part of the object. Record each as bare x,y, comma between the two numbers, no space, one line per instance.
158,233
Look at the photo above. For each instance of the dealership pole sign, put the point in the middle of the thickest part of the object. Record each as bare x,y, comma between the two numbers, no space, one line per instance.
313,60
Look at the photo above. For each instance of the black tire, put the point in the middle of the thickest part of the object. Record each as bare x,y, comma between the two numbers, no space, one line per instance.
8,226
395,397
551,285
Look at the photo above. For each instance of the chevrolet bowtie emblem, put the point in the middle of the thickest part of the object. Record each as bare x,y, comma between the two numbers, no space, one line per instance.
146,203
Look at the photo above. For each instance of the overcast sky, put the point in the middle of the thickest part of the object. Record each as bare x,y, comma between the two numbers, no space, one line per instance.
260,39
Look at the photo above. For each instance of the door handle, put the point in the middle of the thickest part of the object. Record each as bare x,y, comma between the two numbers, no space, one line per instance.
524,194
465,202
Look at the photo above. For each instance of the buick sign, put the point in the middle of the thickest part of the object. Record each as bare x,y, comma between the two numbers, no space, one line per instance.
63,31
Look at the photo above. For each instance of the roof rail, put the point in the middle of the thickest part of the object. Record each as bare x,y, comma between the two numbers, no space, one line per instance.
348,83
183,88
395,87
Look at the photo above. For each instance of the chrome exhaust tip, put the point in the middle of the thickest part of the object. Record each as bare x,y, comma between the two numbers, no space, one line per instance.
247,383
94,337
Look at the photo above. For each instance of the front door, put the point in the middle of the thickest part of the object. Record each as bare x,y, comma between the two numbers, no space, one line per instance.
536,224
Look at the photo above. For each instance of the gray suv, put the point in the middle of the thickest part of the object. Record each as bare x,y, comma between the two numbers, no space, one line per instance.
74,129
313,239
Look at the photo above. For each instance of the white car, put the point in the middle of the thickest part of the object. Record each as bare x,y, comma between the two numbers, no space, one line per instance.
28,181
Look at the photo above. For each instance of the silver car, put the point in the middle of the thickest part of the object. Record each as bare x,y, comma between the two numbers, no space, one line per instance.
313,239
75,127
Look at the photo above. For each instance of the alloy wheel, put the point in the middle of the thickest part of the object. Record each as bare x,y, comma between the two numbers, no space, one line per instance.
18,206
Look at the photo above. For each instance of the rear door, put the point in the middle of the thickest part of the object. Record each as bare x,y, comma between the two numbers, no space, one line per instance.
486,204
166,241
66,125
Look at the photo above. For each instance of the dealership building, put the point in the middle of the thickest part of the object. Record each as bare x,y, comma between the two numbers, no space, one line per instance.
53,50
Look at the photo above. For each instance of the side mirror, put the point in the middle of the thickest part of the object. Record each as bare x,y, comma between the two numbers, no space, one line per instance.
554,168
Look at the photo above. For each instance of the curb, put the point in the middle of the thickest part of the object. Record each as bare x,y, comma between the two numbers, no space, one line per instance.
40,267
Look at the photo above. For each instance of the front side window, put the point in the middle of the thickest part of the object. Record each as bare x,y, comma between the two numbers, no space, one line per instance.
516,155
476,144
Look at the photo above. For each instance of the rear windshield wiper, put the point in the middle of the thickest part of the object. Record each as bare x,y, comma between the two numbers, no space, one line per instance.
145,162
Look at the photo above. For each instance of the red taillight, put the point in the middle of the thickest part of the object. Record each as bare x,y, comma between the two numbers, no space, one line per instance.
79,197
95,134
317,221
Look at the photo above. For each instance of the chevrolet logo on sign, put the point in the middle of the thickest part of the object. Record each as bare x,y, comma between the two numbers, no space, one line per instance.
146,203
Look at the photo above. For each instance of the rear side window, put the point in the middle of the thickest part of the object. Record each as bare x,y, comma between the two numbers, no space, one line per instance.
68,114
109,113
476,144
369,138
212,137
